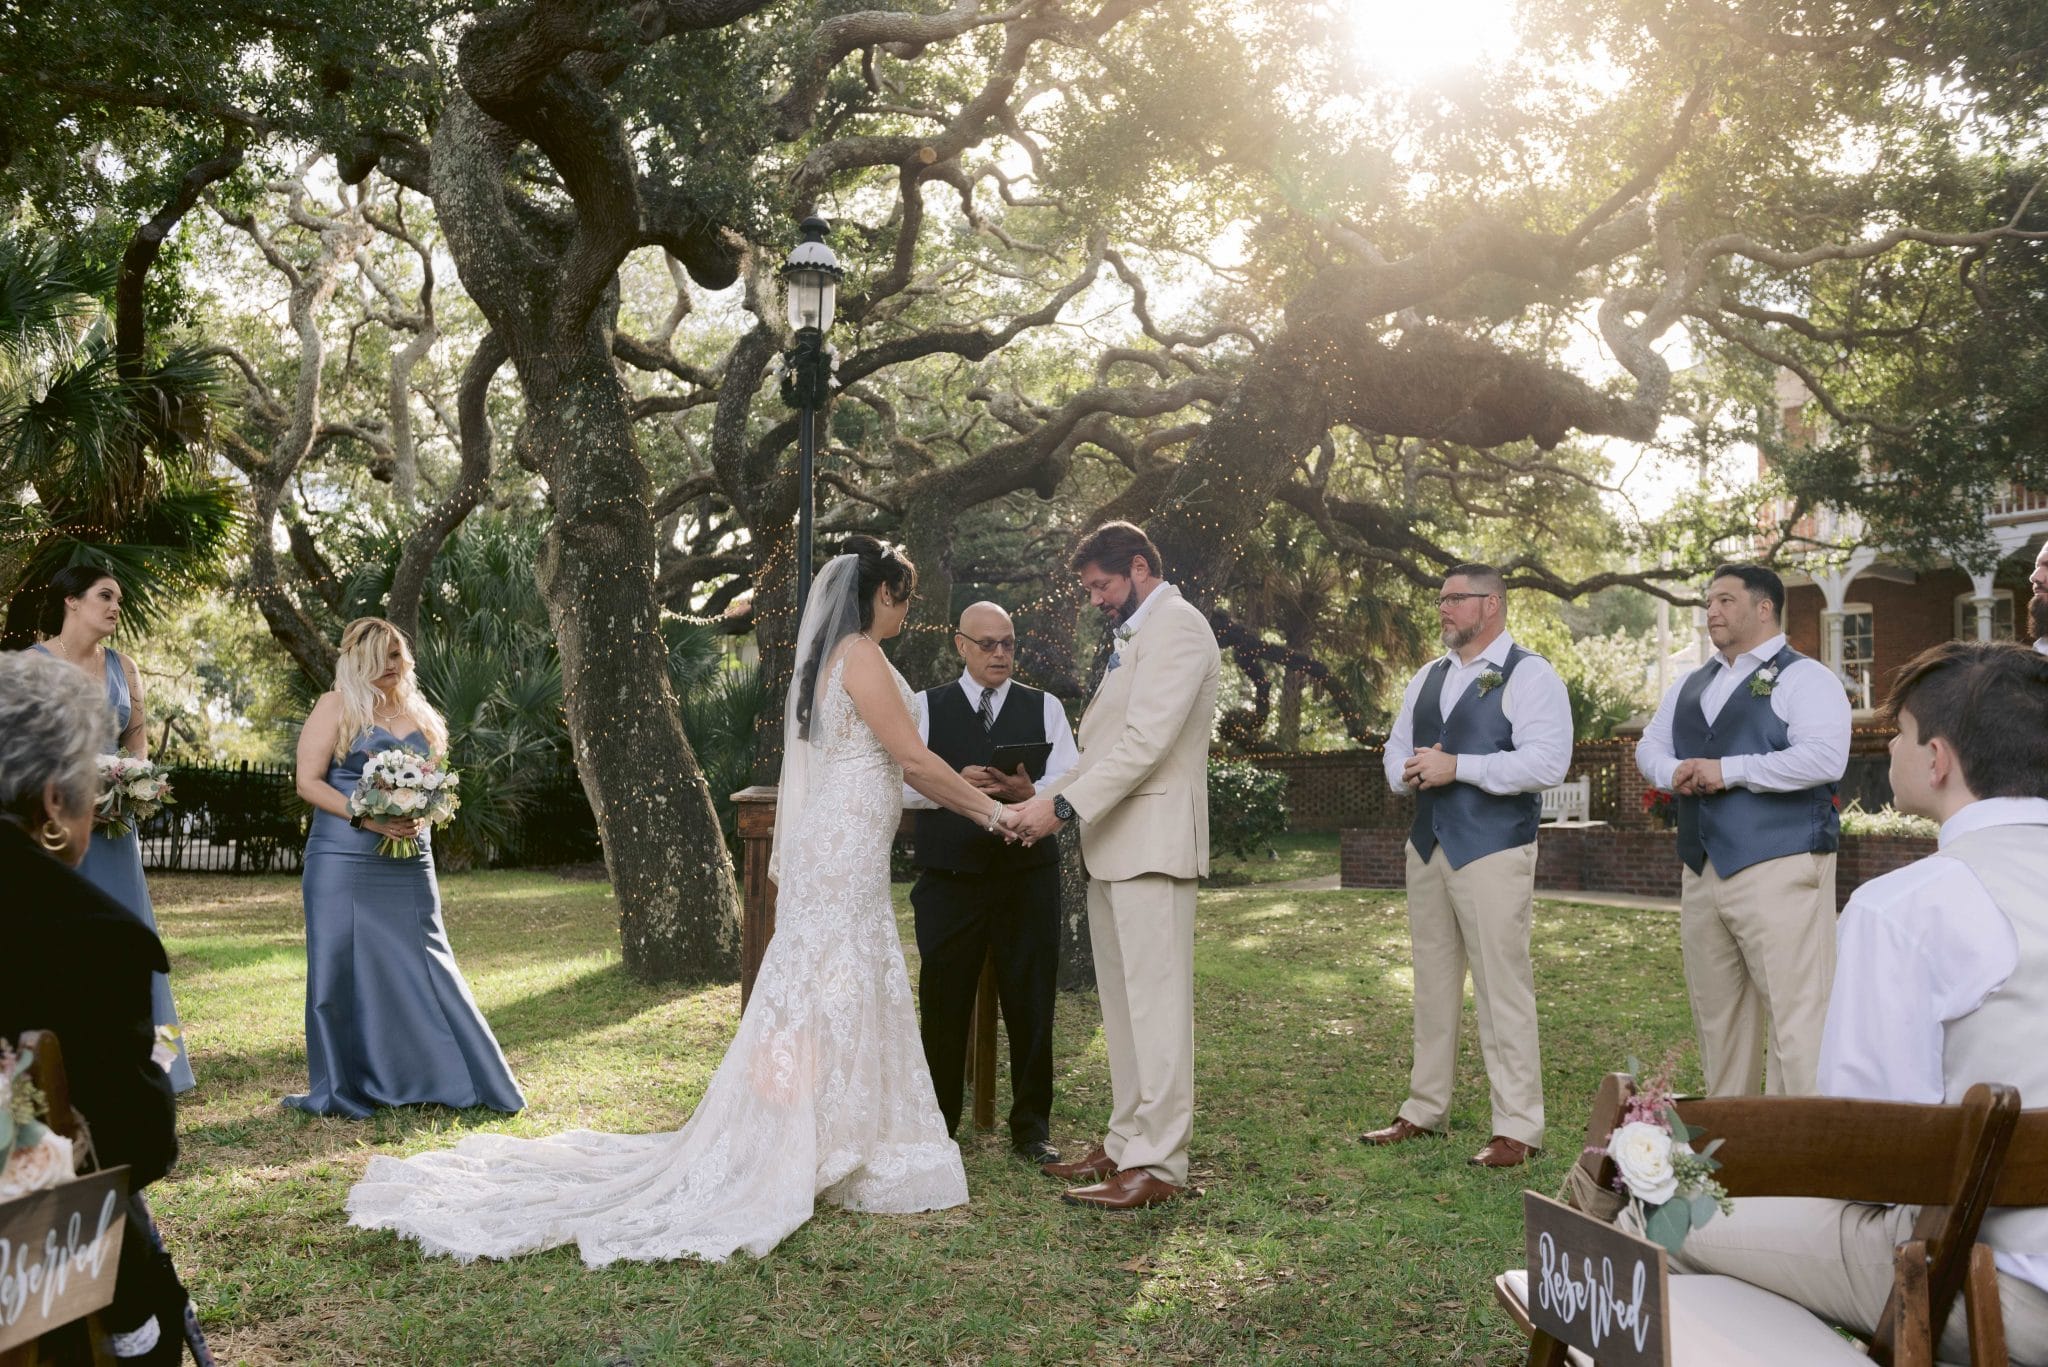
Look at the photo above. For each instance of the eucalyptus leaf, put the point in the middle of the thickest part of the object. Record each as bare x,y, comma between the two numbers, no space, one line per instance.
6,1130
29,1134
1703,1208
1668,1224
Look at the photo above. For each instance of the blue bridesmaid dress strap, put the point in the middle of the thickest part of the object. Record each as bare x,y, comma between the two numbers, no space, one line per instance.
118,696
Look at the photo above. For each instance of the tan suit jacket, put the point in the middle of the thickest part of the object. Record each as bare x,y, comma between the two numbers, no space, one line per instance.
1141,790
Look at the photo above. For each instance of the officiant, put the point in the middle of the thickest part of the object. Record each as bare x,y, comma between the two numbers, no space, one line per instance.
974,892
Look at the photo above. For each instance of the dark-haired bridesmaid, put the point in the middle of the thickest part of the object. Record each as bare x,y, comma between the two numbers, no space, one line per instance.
82,610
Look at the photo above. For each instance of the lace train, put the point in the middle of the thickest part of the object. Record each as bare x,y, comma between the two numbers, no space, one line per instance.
823,1092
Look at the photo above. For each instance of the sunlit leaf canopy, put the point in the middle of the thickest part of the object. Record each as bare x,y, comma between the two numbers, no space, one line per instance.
1329,296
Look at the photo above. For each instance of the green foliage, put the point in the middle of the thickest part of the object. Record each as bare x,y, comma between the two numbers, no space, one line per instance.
1247,807
1886,821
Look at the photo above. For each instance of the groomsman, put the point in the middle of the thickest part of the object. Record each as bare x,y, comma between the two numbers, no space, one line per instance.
1141,794
975,892
1753,744
1481,733
2037,606
1943,983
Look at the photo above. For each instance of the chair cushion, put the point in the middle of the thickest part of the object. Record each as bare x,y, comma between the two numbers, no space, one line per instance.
1722,1322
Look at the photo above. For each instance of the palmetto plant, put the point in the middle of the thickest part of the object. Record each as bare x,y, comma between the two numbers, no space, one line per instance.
99,464
487,658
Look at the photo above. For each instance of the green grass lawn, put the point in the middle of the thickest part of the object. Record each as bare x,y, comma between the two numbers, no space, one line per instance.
1290,858
1301,1246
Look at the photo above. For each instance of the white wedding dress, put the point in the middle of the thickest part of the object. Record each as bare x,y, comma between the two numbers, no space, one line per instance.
823,1093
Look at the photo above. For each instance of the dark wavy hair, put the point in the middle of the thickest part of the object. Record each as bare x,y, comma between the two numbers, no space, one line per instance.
879,565
72,581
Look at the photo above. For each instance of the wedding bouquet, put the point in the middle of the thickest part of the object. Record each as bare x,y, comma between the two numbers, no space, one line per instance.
1670,1185
131,791
32,1155
399,784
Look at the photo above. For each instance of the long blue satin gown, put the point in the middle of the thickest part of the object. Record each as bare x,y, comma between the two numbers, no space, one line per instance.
113,864
389,1019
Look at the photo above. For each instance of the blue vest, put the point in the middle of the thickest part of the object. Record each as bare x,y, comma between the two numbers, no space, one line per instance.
1467,821
1737,827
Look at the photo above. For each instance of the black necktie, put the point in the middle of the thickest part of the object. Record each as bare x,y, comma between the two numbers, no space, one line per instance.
988,709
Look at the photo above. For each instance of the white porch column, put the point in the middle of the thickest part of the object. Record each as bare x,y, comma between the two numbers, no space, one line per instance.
1985,603
1833,584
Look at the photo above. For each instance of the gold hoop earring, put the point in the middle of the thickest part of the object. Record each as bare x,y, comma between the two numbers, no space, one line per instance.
52,836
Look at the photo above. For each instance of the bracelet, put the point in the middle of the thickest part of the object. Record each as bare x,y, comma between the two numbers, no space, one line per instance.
995,816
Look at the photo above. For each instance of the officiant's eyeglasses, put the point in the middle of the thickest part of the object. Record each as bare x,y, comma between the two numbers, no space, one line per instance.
1445,600
1006,645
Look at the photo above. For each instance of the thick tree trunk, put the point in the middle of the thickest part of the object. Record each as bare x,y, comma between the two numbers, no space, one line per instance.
678,902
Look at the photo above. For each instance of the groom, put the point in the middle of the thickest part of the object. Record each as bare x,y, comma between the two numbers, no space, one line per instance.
1141,794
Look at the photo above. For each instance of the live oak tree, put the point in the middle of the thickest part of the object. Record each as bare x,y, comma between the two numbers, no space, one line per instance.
1182,261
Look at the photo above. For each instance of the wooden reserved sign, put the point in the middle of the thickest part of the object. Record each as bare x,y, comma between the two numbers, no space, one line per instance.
1596,1288
59,1250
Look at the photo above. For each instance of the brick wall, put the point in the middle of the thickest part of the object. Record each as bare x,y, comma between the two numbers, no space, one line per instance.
1339,790
1639,863
1905,619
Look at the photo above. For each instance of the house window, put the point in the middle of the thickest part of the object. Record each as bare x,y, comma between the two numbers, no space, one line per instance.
2001,615
1859,655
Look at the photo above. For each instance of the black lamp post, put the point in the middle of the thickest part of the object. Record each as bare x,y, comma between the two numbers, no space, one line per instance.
810,280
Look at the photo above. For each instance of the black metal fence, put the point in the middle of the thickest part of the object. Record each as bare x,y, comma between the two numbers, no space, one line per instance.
229,818
248,818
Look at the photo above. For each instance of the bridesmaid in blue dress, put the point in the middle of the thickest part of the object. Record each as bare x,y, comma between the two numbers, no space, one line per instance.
84,608
389,1019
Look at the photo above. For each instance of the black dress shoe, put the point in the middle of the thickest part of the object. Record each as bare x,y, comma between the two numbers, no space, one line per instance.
1036,1151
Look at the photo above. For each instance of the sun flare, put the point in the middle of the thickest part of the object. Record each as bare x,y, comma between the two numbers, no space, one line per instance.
1411,40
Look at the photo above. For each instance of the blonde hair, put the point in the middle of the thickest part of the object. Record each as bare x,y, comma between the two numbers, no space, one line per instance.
364,644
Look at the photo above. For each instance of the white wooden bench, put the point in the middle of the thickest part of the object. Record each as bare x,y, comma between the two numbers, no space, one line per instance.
1571,800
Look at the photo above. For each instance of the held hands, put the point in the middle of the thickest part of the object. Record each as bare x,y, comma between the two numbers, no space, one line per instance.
1697,777
398,828
1003,787
1033,821
1431,768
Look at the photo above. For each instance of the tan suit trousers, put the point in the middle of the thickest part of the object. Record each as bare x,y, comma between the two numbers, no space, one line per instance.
1143,930
1477,916
1835,1258
1760,942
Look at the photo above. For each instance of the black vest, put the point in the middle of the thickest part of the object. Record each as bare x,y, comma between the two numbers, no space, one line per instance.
947,840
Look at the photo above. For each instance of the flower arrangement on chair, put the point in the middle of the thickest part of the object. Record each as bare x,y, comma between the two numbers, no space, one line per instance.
32,1155
1669,1185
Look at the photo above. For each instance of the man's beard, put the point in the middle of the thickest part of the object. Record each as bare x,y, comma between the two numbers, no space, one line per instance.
1457,638
1129,606
2037,615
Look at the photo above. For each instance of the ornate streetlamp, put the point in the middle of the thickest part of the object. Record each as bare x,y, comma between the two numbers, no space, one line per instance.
810,279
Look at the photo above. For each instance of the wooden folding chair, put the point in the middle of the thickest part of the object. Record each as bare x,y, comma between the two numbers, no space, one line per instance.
2022,1181
1943,1159
84,1340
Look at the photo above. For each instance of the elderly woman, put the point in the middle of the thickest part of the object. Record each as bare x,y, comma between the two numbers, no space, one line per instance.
79,964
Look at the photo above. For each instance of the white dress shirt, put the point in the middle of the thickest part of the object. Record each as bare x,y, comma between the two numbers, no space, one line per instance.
1065,755
2041,645
1807,697
1539,713
1915,949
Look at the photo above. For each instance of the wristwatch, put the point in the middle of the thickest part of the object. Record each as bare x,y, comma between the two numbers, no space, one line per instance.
1062,808
356,822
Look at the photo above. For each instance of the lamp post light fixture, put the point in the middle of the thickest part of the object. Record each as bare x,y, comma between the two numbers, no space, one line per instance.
810,280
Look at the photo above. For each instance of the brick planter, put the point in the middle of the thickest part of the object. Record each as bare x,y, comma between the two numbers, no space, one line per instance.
1599,858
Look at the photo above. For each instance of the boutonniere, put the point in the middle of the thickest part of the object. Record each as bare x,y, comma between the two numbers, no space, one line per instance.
1763,681
1489,681
1125,632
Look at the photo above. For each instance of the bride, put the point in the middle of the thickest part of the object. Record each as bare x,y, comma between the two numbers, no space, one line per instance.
824,1090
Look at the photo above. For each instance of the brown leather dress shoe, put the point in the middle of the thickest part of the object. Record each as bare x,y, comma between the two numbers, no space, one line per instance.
1131,1189
1399,1132
1502,1152
1092,1166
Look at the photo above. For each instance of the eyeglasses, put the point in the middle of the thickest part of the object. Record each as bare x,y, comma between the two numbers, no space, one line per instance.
1005,645
1445,600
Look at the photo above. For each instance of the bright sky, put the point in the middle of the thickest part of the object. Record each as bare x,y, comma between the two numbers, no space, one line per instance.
1407,40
